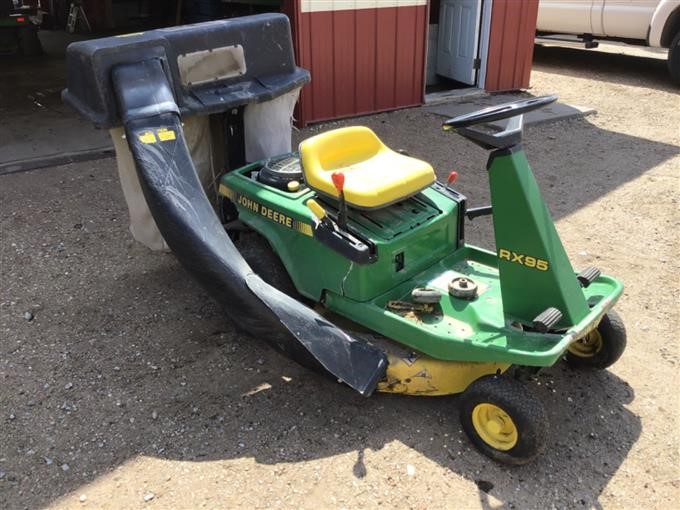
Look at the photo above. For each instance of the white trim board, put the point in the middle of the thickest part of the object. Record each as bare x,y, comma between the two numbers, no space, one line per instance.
351,5
484,36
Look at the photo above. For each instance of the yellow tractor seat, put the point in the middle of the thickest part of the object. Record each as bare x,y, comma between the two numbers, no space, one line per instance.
375,175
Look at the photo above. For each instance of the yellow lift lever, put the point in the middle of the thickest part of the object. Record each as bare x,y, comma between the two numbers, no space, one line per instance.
316,209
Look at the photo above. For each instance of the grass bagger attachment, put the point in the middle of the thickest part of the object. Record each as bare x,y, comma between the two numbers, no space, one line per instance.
364,271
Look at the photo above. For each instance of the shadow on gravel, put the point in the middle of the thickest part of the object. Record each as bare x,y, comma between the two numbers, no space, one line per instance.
571,175
630,70
127,357
196,391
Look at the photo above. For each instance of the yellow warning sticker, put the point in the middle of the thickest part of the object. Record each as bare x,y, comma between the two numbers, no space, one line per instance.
147,137
165,134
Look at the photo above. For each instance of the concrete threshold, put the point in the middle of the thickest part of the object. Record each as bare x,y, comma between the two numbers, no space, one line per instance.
444,96
25,165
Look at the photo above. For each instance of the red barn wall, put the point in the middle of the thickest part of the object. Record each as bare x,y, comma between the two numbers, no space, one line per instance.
361,60
511,44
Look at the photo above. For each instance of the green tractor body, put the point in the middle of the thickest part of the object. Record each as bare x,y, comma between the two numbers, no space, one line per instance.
418,243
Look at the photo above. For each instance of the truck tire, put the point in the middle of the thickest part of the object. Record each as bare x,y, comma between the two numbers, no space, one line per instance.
674,59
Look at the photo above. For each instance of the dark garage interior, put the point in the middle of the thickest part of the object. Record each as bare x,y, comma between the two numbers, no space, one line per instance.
34,35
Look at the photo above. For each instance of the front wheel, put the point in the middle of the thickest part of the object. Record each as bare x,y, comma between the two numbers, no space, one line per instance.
602,347
674,59
504,420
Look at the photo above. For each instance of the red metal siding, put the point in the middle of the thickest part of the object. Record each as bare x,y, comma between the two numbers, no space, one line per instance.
361,61
365,83
511,44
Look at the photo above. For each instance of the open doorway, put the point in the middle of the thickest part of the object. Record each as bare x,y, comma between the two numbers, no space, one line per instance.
457,47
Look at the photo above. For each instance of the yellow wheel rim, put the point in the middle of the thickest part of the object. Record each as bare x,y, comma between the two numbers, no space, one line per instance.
588,346
494,426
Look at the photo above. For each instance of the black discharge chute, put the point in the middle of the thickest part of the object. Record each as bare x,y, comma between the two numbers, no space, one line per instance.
145,93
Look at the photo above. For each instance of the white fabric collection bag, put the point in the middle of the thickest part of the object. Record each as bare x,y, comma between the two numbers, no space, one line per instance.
268,130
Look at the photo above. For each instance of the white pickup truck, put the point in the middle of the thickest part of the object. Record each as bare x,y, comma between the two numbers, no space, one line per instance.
654,23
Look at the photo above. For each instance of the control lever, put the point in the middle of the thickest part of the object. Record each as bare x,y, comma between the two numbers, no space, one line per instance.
339,183
319,212
347,243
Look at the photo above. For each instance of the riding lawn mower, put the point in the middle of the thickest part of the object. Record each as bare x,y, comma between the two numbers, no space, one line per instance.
365,273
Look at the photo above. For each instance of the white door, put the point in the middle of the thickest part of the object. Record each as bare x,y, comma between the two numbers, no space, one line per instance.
457,48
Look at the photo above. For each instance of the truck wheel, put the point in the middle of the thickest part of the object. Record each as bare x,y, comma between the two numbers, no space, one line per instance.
674,59
29,42
602,347
504,420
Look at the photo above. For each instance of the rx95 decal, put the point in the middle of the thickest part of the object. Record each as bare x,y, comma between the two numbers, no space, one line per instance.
524,260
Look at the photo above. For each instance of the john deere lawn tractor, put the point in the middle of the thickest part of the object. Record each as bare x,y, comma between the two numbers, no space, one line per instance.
377,285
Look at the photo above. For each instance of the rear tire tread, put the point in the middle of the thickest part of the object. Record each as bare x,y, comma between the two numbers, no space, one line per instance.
613,334
525,409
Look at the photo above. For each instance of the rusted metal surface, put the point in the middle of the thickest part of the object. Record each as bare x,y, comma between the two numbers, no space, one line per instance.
362,60
511,44
420,375
406,306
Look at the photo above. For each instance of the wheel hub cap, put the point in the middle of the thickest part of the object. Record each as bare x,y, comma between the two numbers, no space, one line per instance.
588,346
494,426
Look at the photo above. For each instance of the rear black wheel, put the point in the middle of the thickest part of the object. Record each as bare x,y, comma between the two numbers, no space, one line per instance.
504,420
260,256
266,263
602,347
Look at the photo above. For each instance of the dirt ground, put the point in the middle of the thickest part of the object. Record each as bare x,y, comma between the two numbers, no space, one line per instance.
128,389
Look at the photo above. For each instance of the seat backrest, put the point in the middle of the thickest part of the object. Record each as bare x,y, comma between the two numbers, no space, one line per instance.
338,149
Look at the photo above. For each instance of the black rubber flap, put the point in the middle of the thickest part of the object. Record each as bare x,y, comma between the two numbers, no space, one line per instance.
354,362
191,228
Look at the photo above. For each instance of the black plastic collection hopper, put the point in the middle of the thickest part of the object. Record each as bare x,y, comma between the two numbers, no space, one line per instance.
145,82
209,67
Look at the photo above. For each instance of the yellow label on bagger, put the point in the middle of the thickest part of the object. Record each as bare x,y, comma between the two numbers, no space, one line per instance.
165,135
147,137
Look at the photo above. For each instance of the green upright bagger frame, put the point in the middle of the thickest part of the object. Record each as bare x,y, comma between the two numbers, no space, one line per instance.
363,271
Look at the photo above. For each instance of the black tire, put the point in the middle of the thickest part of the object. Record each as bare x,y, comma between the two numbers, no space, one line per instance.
602,347
674,59
527,417
29,42
261,257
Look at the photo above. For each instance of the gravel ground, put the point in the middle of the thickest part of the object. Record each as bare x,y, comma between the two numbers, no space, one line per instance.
122,386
